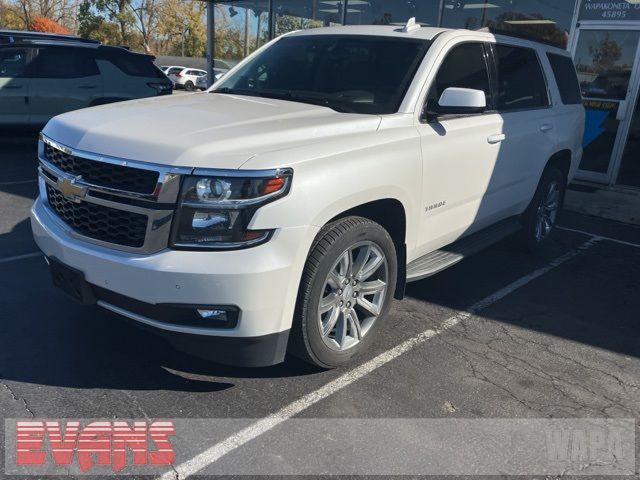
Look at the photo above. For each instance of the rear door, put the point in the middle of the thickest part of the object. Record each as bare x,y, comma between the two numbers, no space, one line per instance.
523,101
14,86
62,79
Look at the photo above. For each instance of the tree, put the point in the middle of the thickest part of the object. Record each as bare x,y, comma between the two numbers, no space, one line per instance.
606,54
60,11
10,17
182,30
42,24
96,27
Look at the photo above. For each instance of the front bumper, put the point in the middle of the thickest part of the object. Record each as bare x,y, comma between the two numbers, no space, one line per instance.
261,281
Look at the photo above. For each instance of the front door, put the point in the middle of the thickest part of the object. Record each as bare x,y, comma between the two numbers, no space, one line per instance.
459,154
606,61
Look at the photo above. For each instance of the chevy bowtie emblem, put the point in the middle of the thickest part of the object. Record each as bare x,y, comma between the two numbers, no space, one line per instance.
70,189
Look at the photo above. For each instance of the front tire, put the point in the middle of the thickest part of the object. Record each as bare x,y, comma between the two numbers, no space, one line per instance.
541,215
346,291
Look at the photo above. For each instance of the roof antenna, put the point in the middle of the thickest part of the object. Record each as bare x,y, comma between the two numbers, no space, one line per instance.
411,26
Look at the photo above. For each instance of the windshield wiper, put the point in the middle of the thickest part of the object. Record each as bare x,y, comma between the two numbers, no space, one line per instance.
310,98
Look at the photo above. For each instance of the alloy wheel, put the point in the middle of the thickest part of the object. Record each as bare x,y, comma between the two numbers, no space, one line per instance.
547,211
353,295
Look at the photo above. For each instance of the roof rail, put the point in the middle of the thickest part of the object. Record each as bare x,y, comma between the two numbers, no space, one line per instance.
11,36
510,33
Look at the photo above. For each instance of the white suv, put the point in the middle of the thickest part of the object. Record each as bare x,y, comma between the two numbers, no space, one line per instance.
330,168
187,78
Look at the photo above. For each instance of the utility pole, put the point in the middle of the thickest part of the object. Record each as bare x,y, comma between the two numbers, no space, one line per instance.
210,42
246,31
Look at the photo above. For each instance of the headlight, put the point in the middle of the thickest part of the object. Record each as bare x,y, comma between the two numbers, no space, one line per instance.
214,211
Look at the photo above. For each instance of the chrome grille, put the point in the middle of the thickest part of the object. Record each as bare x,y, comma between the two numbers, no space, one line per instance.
97,198
103,174
99,222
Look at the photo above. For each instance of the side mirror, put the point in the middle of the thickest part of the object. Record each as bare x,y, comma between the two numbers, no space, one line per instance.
456,101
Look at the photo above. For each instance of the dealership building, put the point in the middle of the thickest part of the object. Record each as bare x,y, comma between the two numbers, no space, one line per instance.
602,36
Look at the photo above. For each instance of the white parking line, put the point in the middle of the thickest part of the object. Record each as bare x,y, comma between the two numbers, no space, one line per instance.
20,257
215,452
18,182
599,237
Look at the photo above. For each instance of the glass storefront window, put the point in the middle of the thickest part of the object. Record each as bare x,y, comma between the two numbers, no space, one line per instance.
240,28
302,14
630,170
549,20
604,61
384,12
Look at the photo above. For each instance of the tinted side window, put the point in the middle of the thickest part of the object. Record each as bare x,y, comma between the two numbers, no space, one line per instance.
133,64
566,78
464,67
65,62
12,62
521,83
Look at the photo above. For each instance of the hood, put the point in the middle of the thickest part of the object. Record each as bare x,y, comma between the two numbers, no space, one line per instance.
201,130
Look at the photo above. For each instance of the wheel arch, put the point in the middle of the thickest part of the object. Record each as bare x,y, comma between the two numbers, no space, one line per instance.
561,160
390,213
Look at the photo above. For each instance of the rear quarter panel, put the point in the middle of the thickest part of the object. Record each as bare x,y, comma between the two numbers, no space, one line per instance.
568,119
117,84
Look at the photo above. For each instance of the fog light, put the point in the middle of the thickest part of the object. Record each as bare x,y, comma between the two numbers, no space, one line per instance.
219,315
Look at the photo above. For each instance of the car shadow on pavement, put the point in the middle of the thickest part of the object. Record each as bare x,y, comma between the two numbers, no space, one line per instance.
48,339
592,299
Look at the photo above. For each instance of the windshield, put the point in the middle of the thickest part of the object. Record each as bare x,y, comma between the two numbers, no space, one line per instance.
349,73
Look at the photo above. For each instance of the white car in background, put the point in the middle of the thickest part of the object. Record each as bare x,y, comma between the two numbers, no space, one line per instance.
171,69
187,78
203,82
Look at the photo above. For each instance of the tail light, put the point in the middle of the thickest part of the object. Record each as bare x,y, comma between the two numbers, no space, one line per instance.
162,88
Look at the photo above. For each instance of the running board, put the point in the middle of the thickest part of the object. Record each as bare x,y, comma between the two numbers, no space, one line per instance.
439,260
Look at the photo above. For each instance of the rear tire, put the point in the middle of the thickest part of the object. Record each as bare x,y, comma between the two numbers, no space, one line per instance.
345,294
539,219
189,86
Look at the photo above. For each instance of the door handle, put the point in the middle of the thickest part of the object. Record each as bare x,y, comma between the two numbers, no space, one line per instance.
497,138
622,110
87,87
545,127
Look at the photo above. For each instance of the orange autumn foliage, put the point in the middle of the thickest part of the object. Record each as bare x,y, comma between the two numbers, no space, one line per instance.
42,24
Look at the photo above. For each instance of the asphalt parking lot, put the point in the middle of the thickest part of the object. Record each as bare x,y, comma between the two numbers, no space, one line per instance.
509,335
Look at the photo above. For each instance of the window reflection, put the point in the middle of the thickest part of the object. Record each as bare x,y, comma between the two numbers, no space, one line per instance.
243,25
302,14
240,28
384,12
604,61
549,20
